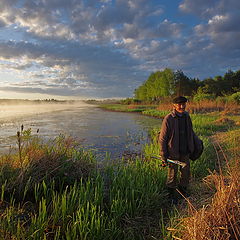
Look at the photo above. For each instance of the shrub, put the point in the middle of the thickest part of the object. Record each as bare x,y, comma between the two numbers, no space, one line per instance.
203,96
128,101
234,98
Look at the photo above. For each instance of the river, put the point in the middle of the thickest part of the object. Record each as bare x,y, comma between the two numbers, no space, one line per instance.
115,133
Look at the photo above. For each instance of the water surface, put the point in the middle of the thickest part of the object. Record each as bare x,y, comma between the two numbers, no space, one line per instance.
101,131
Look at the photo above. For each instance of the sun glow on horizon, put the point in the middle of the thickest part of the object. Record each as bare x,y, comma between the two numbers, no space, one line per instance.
34,96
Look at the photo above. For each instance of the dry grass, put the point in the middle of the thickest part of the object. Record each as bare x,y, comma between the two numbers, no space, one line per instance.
206,106
220,218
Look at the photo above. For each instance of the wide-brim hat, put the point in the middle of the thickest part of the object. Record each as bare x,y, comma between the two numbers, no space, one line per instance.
179,99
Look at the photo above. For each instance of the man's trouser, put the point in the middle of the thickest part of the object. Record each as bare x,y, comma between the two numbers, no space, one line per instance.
184,173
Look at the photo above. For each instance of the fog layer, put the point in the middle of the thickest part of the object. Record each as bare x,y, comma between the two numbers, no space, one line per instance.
20,110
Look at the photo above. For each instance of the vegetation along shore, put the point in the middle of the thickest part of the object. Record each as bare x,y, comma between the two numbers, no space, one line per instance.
56,190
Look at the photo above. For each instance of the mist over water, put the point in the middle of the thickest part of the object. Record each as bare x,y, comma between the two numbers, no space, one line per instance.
95,129
19,110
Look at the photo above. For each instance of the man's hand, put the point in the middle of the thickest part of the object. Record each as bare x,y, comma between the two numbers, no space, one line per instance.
164,162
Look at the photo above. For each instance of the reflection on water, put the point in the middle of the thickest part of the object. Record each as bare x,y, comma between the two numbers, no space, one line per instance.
101,131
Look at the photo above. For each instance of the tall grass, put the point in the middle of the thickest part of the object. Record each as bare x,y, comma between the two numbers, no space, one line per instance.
216,105
220,219
155,113
55,192
35,161
205,106
205,127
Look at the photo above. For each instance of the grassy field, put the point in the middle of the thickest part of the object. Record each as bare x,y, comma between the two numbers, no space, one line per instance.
55,190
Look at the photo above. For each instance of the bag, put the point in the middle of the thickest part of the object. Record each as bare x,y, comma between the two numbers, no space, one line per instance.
198,148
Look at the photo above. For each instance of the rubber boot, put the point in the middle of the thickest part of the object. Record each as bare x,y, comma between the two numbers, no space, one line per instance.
172,196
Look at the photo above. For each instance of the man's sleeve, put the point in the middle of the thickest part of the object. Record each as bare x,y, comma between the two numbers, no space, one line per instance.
163,139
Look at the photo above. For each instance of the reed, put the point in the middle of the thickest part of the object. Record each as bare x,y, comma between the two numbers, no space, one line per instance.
205,106
56,193
220,218
79,212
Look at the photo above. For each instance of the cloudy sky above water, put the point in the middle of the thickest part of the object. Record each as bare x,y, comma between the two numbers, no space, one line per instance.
107,48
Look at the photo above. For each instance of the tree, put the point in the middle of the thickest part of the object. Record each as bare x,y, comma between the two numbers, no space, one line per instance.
231,82
182,84
159,84
166,83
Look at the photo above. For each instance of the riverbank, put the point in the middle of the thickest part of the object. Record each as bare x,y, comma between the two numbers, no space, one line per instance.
220,131
54,190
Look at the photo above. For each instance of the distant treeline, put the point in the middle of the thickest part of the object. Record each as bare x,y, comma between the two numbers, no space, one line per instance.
163,84
27,101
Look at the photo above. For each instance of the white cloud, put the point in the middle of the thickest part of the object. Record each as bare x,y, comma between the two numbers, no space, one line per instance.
200,7
217,19
107,45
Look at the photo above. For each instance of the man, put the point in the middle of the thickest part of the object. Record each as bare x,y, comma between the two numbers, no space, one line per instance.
176,141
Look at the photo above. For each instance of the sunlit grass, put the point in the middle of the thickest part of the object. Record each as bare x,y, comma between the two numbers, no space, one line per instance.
54,190
126,108
220,219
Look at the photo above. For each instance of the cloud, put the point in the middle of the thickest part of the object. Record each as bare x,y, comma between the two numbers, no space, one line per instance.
225,23
2,23
15,66
222,30
81,20
99,47
71,65
208,9
167,29
202,8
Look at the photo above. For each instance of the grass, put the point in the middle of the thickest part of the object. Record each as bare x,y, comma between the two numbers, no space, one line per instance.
220,218
126,108
54,190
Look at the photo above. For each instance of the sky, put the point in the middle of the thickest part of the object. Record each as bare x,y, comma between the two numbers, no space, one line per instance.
82,49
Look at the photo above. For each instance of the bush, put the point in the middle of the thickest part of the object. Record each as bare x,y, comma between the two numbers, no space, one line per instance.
129,101
203,96
234,98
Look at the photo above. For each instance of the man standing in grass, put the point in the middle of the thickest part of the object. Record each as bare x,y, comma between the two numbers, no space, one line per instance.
176,141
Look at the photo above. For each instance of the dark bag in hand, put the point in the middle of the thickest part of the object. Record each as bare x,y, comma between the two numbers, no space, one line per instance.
198,148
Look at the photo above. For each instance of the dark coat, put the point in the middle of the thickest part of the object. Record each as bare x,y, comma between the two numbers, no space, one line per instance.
169,136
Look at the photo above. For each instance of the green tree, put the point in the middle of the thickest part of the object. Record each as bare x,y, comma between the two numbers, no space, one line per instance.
231,82
159,84
182,84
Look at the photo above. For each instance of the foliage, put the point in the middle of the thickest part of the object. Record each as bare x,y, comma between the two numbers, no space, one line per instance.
183,85
155,113
200,96
166,83
222,85
235,97
128,101
159,84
